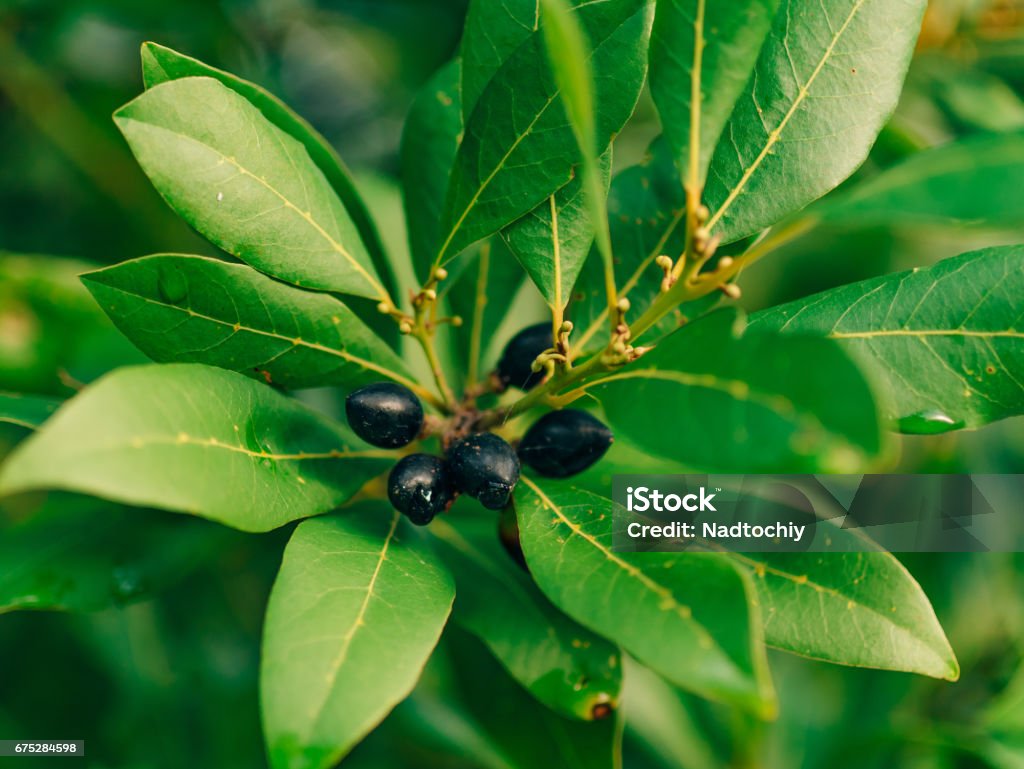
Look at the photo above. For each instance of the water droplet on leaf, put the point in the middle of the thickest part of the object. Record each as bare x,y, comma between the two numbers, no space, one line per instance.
931,422
173,286
126,583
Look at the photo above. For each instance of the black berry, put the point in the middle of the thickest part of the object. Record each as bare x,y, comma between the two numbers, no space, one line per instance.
385,414
485,467
420,486
563,443
514,368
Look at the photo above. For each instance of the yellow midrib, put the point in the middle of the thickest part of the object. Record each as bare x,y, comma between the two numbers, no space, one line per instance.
776,133
443,252
305,215
490,178
803,580
332,673
1008,334
734,387
184,439
557,249
696,102
295,341
681,610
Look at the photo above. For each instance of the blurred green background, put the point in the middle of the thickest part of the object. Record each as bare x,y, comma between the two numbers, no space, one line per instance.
163,674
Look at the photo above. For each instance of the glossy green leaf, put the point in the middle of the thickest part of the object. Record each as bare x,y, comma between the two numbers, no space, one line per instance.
524,734
552,241
718,401
702,55
658,714
197,440
355,612
569,54
972,182
28,411
433,131
562,664
519,147
689,616
862,609
945,341
827,80
622,458
246,185
646,206
191,309
160,65
492,33
80,554
434,723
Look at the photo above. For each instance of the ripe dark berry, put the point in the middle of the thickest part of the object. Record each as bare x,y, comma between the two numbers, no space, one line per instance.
385,414
420,486
519,355
563,443
485,467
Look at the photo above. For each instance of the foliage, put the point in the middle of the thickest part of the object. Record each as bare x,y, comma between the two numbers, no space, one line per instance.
511,187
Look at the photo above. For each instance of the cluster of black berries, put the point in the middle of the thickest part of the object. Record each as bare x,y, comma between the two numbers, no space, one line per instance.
482,465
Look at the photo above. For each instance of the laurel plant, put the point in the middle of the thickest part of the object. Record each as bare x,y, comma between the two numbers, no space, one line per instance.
642,363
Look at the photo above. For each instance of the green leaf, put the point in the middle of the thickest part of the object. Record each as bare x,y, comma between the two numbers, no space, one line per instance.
28,411
702,55
246,185
972,182
433,131
80,554
191,309
483,295
623,458
689,616
718,401
552,241
160,65
492,33
355,612
519,147
525,735
862,609
827,80
659,716
569,53
570,56
945,341
197,440
975,99
563,665
1005,712
646,207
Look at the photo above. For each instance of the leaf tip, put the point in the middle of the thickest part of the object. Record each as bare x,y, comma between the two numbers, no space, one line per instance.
953,668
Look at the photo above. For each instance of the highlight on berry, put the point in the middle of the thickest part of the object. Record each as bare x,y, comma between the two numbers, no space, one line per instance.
468,456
